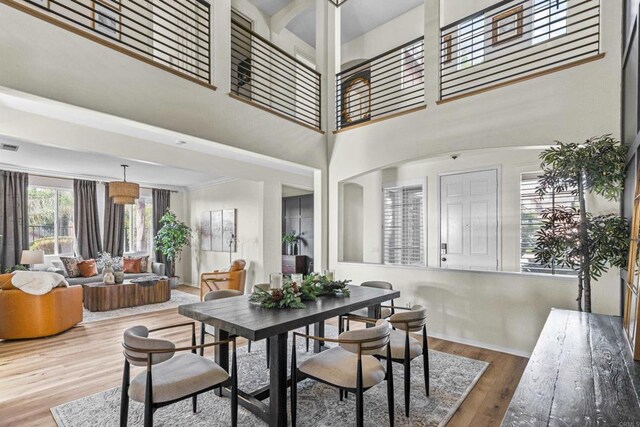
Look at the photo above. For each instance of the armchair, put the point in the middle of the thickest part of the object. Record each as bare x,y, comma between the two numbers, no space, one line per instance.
217,280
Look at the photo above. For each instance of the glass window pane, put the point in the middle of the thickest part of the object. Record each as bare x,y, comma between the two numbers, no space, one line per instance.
65,222
42,217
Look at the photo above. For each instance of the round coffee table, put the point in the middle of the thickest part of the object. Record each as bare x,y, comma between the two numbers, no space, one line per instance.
102,297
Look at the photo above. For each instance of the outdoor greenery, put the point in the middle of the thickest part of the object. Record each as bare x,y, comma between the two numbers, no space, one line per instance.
50,208
171,239
571,236
293,294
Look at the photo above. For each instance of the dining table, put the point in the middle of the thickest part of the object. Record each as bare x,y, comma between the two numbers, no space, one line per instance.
237,316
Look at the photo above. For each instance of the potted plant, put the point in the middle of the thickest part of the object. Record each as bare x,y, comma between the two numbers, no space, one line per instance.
289,239
570,235
170,240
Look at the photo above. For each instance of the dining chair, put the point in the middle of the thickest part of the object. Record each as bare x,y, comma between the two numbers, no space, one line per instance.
267,287
350,366
213,296
405,347
170,378
385,312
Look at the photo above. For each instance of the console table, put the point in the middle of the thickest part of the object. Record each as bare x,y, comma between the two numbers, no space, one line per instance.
581,373
102,297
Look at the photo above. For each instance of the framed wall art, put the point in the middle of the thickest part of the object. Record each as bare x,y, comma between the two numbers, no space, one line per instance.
218,231
507,25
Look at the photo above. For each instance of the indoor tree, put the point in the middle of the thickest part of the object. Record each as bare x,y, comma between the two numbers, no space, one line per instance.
571,236
171,239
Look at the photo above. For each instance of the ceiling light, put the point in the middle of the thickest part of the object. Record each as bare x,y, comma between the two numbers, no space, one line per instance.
123,192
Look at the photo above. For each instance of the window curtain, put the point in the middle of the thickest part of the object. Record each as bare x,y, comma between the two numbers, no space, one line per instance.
113,240
87,223
161,202
14,217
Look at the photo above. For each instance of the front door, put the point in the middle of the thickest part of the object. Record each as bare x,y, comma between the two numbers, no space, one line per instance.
469,220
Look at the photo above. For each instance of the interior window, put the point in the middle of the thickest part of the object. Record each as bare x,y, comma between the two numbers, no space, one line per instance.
402,225
413,65
549,19
51,220
470,43
138,233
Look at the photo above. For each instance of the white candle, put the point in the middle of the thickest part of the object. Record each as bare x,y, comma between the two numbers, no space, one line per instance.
275,280
330,274
297,279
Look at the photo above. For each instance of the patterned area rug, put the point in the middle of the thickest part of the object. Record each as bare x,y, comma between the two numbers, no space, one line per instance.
452,378
177,298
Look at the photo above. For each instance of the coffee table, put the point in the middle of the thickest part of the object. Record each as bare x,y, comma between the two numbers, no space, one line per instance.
101,297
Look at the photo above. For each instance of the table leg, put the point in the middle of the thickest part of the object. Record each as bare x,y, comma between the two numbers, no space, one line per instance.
374,312
222,352
318,331
278,381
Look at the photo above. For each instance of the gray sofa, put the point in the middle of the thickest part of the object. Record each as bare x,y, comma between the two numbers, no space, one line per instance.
157,269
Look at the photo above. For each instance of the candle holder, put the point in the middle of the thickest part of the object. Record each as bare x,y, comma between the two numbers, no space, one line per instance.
275,280
297,279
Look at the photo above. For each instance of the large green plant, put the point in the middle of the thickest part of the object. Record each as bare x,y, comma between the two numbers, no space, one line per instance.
571,236
171,239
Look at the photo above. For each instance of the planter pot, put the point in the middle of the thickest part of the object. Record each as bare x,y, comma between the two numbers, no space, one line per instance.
173,282
119,276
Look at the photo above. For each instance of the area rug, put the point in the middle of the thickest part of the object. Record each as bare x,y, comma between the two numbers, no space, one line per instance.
452,378
177,298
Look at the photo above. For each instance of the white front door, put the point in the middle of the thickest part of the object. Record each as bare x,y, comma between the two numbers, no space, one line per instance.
469,220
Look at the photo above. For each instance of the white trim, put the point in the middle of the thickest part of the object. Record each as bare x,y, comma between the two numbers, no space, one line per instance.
217,181
481,344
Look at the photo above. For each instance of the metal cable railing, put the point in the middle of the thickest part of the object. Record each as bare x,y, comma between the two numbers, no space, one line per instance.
388,83
263,73
173,33
516,39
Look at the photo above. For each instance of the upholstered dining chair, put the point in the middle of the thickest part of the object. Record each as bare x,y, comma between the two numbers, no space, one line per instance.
170,378
212,296
233,278
405,347
350,366
385,312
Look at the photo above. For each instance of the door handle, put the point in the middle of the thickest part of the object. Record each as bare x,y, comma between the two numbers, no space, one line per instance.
443,258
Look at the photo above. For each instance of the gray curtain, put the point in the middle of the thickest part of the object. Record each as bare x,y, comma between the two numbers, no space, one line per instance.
86,221
113,240
14,217
161,202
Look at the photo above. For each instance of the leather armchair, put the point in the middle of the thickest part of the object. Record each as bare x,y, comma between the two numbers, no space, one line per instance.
234,278
23,315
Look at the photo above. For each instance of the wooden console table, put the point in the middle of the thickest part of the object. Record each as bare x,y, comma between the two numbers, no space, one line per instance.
581,373
101,297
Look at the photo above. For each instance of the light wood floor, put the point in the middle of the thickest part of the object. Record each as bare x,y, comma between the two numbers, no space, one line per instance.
36,375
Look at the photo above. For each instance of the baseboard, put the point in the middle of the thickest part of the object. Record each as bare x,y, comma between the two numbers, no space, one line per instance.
481,344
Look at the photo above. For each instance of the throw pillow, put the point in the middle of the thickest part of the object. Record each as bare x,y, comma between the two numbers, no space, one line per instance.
88,268
132,265
58,265
71,265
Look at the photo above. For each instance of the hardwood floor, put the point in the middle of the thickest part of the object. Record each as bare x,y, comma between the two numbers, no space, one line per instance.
36,375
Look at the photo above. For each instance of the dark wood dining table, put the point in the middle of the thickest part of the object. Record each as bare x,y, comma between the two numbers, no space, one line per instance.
236,316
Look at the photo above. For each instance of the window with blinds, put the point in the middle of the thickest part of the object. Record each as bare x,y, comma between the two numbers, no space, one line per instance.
531,207
402,224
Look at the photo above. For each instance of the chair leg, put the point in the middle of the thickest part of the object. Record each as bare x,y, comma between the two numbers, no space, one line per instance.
407,385
194,403
341,395
294,386
306,331
124,399
268,352
348,325
390,396
340,325
249,347
202,332
148,402
234,388
425,359
359,397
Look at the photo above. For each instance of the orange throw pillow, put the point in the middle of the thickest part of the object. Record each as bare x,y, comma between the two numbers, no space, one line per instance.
88,268
132,265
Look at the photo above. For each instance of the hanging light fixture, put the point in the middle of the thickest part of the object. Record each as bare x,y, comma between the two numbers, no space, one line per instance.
123,192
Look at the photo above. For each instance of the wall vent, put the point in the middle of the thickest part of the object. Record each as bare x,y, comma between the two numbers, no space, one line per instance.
9,147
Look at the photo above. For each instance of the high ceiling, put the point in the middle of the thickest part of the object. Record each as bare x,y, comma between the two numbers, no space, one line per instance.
358,16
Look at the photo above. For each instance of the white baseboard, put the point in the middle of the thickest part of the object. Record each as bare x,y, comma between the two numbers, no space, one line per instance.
481,344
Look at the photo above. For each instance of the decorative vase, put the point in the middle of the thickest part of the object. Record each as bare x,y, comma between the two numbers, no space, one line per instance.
295,248
119,275
107,276
173,282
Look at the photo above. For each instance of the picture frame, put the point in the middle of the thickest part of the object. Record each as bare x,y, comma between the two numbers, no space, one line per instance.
447,42
355,96
106,20
507,26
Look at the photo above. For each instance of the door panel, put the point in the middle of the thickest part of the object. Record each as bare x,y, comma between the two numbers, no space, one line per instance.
469,221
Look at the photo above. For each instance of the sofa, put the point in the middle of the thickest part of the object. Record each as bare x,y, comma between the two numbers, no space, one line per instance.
23,315
157,269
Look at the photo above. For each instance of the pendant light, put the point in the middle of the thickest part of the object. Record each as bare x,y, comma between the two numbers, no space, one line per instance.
123,192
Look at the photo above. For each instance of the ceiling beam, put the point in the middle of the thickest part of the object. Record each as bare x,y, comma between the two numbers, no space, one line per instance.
282,17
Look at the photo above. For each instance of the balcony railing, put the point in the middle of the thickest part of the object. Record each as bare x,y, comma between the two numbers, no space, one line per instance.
174,34
389,83
264,74
515,40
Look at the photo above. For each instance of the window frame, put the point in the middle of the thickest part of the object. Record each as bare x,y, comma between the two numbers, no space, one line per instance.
472,31
408,60
544,15
422,183
56,204
132,230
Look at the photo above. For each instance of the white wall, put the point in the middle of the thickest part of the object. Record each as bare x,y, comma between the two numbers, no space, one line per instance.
499,310
257,204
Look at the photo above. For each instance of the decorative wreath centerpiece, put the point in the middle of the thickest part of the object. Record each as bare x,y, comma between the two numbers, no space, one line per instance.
292,294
